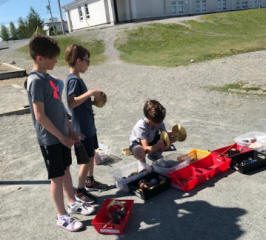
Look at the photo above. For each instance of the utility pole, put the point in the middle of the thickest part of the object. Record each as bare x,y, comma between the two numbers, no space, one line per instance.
52,19
61,17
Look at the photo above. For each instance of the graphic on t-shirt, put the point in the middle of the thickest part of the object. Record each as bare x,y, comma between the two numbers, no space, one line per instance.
55,90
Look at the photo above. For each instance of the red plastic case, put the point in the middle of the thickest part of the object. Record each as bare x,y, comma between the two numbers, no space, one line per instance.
199,171
231,150
102,222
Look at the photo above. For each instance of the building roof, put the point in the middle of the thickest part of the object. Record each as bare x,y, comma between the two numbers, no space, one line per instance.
54,21
75,4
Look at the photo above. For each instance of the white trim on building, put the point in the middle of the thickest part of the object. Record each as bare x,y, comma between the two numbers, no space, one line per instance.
86,13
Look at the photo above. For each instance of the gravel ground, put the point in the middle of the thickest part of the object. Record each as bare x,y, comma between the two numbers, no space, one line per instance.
230,207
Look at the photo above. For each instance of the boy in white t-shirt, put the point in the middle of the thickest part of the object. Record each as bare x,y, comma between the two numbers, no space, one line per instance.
145,136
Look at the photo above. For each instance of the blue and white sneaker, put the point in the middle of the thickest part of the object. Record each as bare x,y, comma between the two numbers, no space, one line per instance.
80,208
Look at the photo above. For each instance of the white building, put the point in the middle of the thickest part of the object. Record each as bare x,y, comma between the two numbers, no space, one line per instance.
86,13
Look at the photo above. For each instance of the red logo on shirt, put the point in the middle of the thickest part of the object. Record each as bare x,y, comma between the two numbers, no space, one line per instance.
55,90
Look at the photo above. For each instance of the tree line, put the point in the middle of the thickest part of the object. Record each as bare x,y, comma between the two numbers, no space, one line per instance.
25,27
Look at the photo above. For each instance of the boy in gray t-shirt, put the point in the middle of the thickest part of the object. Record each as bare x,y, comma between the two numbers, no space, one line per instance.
145,136
53,131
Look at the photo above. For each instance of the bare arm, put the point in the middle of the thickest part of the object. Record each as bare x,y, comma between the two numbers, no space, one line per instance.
72,134
38,109
154,148
74,101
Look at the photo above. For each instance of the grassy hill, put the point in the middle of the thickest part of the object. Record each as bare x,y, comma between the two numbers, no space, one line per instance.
215,36
96,48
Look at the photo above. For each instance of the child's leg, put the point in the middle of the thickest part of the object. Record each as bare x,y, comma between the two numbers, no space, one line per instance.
83,160
91,183
91,167
68,186
63,219
56,190
81,193
86,163
57,157
75,207
84,170
140,155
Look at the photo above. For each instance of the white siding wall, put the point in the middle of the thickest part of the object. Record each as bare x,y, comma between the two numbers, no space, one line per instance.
123,9
109,11
158,8
101,11
245,4
177,7
97,13
76,22
69,22
263,3
147,8
217,5
209,6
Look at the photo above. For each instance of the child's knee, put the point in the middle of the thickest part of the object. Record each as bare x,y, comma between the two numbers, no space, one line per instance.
57,180
139,153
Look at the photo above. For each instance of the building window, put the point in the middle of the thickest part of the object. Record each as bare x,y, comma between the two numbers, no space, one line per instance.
176,7
238,4
172,7
245,4
198,8
201,6
180,7
221,5
80,13
256,3
87,13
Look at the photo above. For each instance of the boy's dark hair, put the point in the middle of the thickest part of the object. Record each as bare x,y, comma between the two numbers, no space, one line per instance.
73,52
154,111
43,46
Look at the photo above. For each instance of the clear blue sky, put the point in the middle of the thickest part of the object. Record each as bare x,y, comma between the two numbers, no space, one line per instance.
11,10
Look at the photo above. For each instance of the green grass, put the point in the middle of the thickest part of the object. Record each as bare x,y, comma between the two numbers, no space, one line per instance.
226,87
96,48
241,86
216,36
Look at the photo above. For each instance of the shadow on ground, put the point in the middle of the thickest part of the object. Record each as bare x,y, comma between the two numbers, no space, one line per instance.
24,182
163,218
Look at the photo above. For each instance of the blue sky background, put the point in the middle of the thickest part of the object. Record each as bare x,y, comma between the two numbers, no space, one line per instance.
11,10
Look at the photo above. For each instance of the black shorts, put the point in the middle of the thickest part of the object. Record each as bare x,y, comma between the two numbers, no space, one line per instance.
57,158
89,144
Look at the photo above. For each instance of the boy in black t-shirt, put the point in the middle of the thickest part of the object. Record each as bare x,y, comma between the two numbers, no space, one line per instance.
80,104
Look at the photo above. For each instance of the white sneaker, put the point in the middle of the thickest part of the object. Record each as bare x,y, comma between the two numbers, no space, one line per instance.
80,208
69,223
142,166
